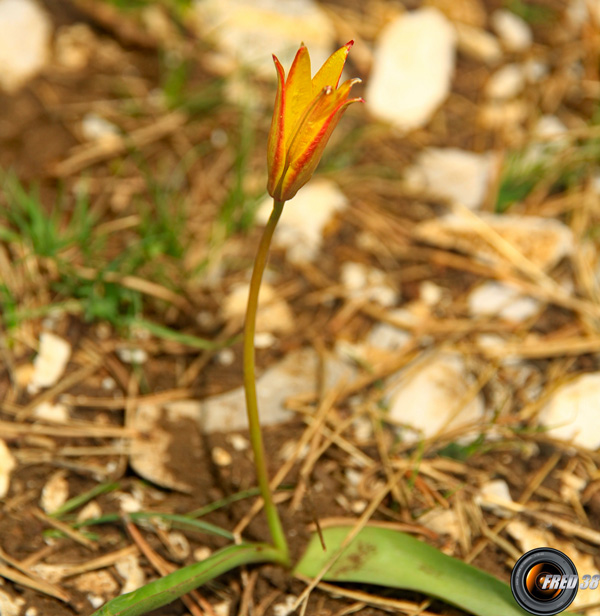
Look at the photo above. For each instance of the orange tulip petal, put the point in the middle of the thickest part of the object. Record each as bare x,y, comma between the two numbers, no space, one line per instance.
329,74
300,170
298,90
319,114
276,150
306,113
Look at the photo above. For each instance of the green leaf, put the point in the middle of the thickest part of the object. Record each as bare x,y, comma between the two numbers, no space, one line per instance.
394,559
170,587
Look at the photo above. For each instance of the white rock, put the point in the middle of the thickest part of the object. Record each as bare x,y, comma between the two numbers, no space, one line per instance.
89,512
544,241
51,360
430,293
305,217
55,492
412,69
221,457
495,496
513,31
274,314
130,570
506,82
132,356
285,608
10,606
549,126
97,128
248,33
478,44
368,283
451,174
573,412
428,398
295,374
498,299
57,413
7,465
25,31
442,521
101,583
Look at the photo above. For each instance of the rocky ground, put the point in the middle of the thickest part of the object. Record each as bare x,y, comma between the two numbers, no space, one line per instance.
429,321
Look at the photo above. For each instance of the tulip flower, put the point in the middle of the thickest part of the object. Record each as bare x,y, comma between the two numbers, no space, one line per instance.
306,112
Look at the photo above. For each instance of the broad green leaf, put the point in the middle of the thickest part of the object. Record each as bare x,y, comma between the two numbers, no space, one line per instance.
390,558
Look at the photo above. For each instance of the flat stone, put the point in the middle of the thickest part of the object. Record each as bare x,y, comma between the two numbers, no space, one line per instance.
296,374
247,33
413,66
495,496
497,299
514,32
506,82
55,492
452,175
428,399
478,44
573,412
50,363
25,31
305,218
544,241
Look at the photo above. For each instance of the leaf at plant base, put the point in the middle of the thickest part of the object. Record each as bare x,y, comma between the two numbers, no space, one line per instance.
166,589
390,558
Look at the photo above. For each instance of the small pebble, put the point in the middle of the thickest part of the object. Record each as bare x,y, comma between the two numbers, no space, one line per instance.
55,492
202,553
221,457
226,357
238,442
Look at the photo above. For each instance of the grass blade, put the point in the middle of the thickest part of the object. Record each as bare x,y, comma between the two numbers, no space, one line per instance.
397,560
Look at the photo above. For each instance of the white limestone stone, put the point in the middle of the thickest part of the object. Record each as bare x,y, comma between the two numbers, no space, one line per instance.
506,82
428,399
498,299
413,66
451,174
544,241
50,362
478,44
304,218
514,32
573,412
25,31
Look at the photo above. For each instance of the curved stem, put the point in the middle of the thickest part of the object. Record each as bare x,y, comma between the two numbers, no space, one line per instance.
250,384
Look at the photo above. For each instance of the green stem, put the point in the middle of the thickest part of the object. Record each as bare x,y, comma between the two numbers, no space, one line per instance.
256,440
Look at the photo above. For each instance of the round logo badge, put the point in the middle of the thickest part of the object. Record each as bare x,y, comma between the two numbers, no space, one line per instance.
544,582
